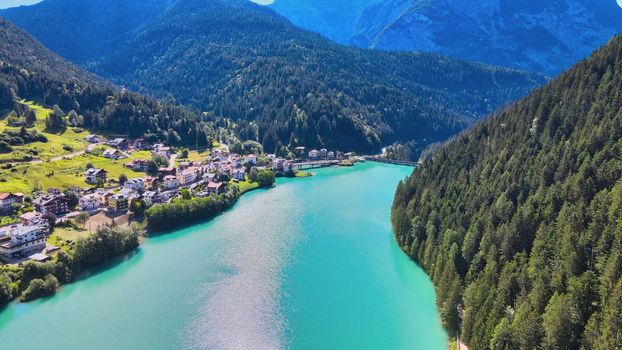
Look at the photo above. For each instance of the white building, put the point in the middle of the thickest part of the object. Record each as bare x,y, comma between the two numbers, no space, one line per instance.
239,174
18,241
91,175
314,154
251,159
187,177
91,138
137,184
90,202
287,167
112,154
277,164
170,182
152,197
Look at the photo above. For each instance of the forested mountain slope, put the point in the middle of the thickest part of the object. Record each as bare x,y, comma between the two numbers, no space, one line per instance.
520,218
82,31
242,61
285,86
19,48
30,71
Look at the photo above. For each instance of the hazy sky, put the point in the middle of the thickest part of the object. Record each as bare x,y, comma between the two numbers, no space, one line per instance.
10,3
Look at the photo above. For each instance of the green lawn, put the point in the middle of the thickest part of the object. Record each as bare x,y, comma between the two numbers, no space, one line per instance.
59,144
61,173
62,235
246,186
58,173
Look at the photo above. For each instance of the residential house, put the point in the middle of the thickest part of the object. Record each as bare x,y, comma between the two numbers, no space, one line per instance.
137,184
139,165
162,150
55,204
299,151
8,199
91,138
287,167
140,144
251,159
31,218
118,202
239,174
19,241
167,171
277,164
215,188
323,153
209,177
170,182
187,177
34,218
119,143
152,197
112,154
93,174
90,202
314,154
331,155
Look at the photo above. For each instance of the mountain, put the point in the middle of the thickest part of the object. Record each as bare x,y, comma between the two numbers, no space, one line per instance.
535,35
29,71
335,19
284,86
82,31
20,49
520,218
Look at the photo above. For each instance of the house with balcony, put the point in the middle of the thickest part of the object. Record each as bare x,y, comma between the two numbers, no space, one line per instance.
93,174
136,184
90,202
19,241
215,188
49,203
238,174
8,199
118,202
170,182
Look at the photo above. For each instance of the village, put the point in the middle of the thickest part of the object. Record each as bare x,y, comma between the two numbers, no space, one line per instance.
168,174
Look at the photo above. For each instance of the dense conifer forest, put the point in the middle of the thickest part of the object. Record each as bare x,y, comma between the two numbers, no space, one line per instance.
519,219
283,86
42,76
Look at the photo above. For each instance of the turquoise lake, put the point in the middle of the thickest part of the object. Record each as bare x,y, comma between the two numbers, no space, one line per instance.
309,264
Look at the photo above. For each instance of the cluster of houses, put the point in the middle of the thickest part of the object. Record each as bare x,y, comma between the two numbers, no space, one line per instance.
201,178
322,154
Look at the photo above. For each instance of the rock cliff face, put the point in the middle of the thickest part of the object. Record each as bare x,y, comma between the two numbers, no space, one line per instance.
335,19
544,36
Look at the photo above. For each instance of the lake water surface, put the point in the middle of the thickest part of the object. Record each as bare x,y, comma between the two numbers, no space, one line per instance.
309,264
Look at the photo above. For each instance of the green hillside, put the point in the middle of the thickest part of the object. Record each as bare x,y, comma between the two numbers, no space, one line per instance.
519,219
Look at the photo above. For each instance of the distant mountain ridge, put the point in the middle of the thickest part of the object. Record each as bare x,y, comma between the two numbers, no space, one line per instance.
284,86
29,71
535,35
19,48
83,31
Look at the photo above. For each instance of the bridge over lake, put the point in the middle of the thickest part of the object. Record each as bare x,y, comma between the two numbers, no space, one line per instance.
314,164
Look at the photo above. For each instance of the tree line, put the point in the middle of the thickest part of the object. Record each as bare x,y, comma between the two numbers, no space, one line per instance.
519,219
35,279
